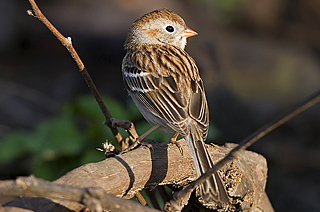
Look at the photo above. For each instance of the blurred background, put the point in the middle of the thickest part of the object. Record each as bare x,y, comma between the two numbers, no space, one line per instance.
258,58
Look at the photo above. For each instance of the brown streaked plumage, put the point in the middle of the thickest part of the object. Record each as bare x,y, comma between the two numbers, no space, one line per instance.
164,83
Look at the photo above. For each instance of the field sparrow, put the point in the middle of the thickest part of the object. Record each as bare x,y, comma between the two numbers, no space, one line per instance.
164,83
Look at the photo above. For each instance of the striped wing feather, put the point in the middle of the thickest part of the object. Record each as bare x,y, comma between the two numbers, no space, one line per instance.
166,80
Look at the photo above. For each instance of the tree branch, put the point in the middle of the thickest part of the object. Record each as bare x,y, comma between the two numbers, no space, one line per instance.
142,168
95,198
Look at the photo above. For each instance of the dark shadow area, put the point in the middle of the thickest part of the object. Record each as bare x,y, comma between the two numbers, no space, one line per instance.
157,155
37,204
131,175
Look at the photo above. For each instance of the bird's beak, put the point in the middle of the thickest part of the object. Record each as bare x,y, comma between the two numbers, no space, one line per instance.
187,32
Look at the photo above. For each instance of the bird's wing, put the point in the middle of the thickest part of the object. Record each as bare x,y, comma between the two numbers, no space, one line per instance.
166,80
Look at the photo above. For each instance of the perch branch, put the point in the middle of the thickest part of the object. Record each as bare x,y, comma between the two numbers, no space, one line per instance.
142,168
181,198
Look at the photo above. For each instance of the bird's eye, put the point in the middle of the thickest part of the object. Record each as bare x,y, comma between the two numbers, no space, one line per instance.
170,28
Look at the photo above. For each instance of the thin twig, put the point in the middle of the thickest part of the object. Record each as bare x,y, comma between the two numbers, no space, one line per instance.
141,199
181,198
128,126
96,199
66,42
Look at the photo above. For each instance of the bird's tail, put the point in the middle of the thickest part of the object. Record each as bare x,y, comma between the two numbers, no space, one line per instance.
212,189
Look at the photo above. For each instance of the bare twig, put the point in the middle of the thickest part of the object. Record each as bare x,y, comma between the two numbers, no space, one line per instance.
181,198
96,199
141,199
66,42
128,126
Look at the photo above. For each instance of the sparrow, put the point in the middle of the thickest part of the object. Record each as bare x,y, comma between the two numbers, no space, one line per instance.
163,81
